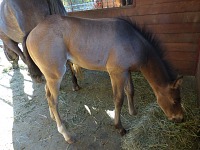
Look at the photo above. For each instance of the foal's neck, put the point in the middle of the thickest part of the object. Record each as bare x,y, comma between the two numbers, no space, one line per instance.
156,73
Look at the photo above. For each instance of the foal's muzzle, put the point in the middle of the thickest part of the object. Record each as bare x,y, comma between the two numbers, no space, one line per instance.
177,120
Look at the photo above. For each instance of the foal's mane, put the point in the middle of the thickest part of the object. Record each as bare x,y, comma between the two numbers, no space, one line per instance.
155,43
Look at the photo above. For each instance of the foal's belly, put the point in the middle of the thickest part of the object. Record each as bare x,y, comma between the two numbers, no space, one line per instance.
89,64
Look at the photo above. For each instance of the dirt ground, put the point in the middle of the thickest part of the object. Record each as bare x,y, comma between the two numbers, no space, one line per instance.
25,119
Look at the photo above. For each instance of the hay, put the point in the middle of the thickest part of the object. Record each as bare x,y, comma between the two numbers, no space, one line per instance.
150,129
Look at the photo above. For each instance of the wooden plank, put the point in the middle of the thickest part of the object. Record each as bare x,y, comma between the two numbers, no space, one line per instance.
183,67
183,56
198,83
181,47
186,17
175,28
166,8
198,78
186,72
179,38
152,2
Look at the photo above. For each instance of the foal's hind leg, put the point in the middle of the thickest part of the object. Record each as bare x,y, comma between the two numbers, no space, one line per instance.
129,90
118,82
48,94
52,88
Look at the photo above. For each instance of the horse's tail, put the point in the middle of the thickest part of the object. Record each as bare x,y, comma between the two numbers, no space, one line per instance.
32,67
56,7
77,70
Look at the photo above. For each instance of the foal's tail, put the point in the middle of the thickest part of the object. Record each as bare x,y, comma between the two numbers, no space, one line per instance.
32,67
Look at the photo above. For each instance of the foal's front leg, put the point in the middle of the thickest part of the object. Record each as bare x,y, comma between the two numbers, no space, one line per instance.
118,81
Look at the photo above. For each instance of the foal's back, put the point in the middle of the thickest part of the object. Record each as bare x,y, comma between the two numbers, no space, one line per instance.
97,44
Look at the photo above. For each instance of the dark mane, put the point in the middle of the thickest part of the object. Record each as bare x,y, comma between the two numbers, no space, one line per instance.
155,43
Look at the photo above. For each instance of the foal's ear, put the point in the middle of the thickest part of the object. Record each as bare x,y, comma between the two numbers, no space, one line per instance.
177,82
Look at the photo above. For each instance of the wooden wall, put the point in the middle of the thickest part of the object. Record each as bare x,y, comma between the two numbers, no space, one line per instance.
175,22
198,77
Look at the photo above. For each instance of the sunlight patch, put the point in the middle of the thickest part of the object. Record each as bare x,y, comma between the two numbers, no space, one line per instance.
6,111
111,113
88,109
6,125
28,84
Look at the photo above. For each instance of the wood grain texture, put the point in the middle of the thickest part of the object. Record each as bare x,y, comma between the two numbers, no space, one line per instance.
183,67
184,17
179,37
175,28
181,47
152,2
183,56
167,8
198,77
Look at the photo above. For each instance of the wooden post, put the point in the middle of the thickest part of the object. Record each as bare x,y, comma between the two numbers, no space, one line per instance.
198,78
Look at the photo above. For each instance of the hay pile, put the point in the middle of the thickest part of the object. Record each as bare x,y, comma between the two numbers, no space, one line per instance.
151,130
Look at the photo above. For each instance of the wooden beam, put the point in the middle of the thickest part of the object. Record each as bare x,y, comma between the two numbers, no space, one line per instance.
183,17
198,78
148,2
180,38
167,8
174,28
183,67
182,47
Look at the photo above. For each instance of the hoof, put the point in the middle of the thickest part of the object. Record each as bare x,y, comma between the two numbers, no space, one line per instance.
15,66
71,140
133,113
122,132
76,88
38,79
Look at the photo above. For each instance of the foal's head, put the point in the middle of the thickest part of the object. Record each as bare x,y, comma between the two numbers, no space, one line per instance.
169,100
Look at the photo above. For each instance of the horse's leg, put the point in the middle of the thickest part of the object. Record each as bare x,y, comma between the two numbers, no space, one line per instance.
129,90
13,46
118,82
11,56
75,86
48,94
52,88
34,71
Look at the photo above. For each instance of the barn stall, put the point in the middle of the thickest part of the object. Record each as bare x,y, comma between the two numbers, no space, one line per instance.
176,23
